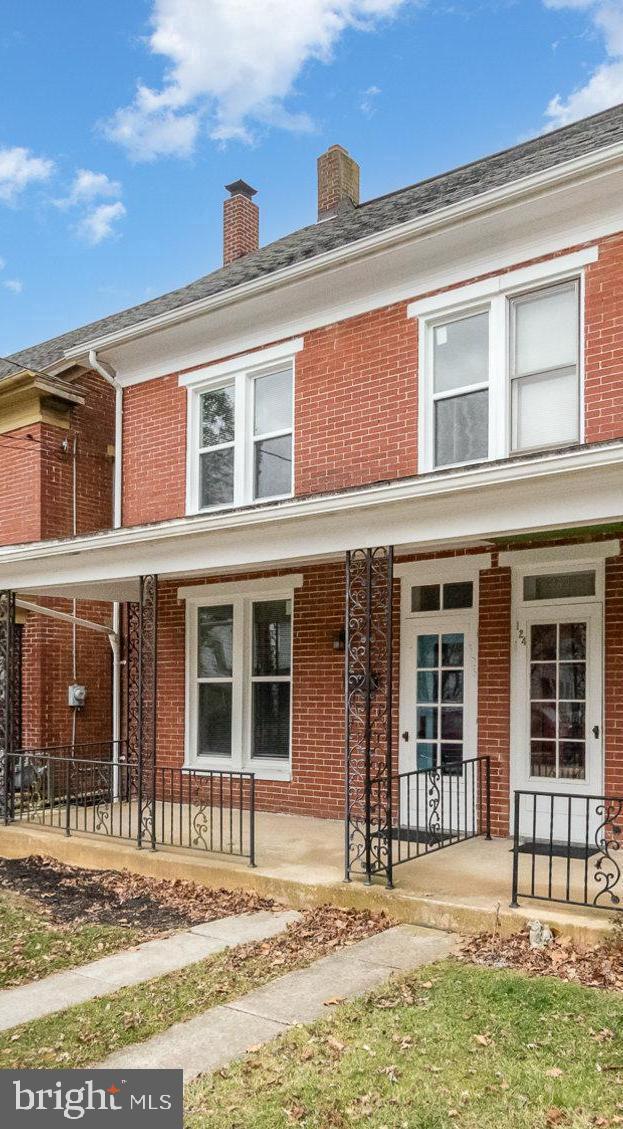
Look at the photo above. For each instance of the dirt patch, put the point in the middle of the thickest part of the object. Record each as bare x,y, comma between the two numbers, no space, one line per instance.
597,966
71,895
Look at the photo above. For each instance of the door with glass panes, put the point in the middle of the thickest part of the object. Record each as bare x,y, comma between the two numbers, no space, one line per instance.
557,740
438,723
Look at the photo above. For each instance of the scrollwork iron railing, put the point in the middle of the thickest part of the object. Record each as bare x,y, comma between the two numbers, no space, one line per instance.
97,792
437,807
566,849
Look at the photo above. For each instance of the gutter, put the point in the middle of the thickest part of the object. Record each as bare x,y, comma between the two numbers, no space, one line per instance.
109,375
577,169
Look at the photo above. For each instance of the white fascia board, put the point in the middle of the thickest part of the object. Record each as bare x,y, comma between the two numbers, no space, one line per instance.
553,493
259,359
559,554
287,582
580,167
554,268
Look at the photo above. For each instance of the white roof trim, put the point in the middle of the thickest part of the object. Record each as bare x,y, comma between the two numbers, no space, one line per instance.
579,167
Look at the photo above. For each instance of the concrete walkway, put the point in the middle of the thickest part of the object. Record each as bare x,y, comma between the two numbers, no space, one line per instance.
218,1036
133,966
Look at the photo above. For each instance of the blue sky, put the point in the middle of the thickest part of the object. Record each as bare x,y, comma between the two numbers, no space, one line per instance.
121,122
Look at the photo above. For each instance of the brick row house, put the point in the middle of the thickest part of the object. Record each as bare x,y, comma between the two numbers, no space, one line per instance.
368,498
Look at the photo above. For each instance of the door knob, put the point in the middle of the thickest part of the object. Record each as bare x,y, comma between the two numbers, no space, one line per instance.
405,735
595,731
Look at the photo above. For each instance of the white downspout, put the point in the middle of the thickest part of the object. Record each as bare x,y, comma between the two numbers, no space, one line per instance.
109,375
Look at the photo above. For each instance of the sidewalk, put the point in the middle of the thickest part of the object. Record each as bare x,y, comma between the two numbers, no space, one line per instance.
218,1036
133,966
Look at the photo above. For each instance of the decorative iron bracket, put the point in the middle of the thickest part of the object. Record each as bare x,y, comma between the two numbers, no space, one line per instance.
141,702
7,702
368,709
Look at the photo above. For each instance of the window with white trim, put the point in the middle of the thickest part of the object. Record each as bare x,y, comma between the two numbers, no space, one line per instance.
240,672
502,375
241,435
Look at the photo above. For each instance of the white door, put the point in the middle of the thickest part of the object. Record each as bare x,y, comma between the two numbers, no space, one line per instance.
557,738
438,678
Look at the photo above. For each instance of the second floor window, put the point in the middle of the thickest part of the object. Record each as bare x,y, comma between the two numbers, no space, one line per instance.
502,376
243,437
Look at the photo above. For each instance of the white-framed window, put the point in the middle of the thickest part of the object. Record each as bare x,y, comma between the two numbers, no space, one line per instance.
501,365
239,676
241,431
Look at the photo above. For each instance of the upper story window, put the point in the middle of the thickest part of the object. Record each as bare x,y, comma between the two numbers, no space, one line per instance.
500,372
240,431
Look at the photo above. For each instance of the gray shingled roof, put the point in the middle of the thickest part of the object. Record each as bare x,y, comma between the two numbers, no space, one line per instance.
348,226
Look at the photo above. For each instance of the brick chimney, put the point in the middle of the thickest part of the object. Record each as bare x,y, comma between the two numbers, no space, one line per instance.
241,222
338,182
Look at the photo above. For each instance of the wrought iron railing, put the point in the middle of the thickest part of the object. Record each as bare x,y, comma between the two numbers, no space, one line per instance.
438,807
171,806
565,849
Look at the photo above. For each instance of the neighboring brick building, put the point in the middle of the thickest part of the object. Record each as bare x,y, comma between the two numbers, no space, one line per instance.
440,370
56,466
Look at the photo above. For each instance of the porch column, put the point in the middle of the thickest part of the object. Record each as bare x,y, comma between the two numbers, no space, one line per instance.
141,702
368,713
7,701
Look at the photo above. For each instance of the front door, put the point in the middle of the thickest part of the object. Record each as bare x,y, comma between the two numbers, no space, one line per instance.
557,725
438,723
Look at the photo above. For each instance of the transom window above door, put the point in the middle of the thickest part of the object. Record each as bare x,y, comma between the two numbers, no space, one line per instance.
240,432
500,371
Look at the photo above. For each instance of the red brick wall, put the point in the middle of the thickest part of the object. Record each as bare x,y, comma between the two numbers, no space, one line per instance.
356,402
604,343
36,503
154,451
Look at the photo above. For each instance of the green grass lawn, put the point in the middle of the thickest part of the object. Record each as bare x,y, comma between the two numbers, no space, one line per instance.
450,1046
31,946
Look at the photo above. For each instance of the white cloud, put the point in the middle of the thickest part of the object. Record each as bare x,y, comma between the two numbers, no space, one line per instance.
368,100
2,263
232,64
99,223
88,185
13,284
605,86
18,169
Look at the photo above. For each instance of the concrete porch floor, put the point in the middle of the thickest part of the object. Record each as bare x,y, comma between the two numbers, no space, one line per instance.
465,887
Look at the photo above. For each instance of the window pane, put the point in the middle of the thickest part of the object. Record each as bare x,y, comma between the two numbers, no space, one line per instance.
461,352
572,678
546,410
273,402
425,757
572,755
217,417
462,428
458,595
543,758
452,760
546,329
572,641
543,681
271,719
427,723
427,685
543,641
543,719
452,724
215,628
425,598
428,650
572,720
452,650
272,635
273,467
452,686
214,728
217,477
559,586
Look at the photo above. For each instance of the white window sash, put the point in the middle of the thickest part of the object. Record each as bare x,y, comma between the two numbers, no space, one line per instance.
488,297
242,678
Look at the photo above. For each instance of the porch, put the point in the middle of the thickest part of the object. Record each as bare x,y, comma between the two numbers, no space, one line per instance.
466,889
